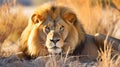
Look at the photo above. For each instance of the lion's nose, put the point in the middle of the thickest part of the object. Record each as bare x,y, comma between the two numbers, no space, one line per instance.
54,40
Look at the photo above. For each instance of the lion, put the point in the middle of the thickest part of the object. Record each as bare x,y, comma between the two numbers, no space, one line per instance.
54,29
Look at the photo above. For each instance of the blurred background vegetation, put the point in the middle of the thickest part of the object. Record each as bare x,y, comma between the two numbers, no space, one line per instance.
97,16
25,2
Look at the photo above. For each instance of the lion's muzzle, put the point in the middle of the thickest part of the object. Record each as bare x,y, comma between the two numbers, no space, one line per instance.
54,42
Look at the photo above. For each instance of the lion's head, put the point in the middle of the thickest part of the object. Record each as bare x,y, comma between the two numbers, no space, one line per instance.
52,29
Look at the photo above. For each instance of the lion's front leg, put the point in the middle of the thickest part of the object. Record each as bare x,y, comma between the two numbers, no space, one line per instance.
100,39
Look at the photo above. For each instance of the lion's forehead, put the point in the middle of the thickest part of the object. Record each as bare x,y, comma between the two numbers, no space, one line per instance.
53,24
54,14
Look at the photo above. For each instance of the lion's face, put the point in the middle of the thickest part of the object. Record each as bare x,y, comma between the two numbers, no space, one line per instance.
56,33
55,26
52,29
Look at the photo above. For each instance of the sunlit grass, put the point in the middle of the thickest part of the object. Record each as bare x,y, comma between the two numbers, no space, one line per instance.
11,21
95,18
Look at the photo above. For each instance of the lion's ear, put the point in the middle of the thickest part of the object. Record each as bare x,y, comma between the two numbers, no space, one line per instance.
70,17
36,18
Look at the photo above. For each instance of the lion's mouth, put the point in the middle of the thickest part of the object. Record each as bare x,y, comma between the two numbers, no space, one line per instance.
55,47
55,50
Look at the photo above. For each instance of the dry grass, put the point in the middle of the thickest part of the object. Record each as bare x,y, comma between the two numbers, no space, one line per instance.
11,22
109,57
95,18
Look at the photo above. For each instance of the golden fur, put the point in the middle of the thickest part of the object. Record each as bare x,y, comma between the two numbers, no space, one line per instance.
56,29
47,24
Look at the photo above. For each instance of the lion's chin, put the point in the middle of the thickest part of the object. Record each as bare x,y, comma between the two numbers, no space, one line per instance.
55,51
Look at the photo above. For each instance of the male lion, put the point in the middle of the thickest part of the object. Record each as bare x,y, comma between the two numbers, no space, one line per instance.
56,29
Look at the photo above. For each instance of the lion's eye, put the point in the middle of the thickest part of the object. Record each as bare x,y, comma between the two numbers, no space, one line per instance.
62,28
47,29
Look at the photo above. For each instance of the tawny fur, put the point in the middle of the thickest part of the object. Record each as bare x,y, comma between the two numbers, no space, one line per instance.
33,44
51,22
